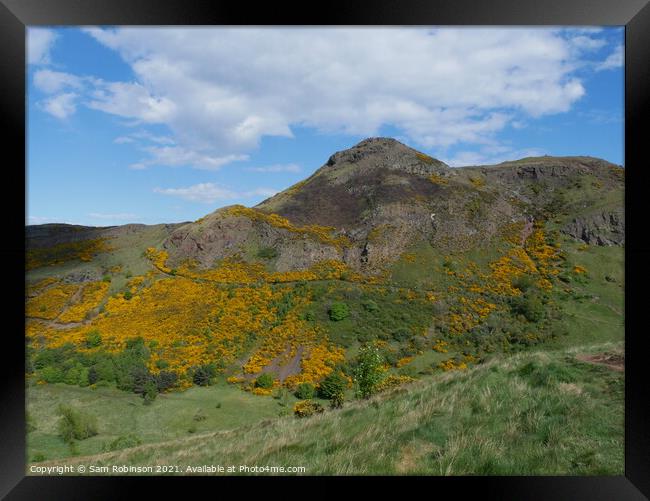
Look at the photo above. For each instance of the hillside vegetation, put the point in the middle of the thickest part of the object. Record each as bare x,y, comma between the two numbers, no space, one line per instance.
539,413
137,334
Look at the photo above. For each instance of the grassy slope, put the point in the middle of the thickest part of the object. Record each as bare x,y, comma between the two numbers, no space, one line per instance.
120,413
531,413
575,427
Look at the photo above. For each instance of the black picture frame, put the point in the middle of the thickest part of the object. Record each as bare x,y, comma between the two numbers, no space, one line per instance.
16,15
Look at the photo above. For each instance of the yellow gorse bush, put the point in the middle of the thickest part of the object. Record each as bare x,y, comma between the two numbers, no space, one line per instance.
91,295
320,233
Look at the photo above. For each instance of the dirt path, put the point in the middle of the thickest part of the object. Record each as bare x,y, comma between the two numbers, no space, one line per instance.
613,361
526,231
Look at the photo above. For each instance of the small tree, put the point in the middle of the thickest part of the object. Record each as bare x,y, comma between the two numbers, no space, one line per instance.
369,371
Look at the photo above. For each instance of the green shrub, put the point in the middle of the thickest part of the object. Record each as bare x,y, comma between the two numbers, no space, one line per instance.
51,374
127,295
75,425
524,282
150,392
401,335
121,442
530,306
265,380
338,311
310,316
305,391
369,371
203,374
267,253
93,339
166,380
334,384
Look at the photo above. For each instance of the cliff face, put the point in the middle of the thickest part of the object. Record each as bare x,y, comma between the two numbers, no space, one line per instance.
367,205
600,228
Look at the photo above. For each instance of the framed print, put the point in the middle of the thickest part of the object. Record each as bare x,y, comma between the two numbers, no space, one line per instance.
405,241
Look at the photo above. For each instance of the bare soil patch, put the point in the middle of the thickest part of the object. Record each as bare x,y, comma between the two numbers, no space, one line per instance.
613,361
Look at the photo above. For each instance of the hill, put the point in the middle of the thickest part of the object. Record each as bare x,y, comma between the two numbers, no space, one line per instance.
440,269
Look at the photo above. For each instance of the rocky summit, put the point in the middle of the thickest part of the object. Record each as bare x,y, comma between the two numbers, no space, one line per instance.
378,198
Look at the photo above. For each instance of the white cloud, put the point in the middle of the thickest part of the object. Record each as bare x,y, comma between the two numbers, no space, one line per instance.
585,42
48,220
223,89
131,100
122,216
123,140
177,156
210,193
614,60
220,90
490,155
60,106
276,168
143,135
52,82
39,44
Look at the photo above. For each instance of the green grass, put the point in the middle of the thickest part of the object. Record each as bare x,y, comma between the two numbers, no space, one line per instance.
535,412
120,413
530,413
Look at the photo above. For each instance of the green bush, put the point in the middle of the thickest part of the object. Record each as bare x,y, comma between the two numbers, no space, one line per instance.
524,283
166,380
150,392
369,371
338,311
127,295
305,391
267,253
401,335
530,306
203,374
162,364
75,425
93,339
51,374
334,384
265,380
121,442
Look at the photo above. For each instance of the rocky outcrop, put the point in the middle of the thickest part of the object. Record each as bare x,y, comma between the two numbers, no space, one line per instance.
600,228
383,196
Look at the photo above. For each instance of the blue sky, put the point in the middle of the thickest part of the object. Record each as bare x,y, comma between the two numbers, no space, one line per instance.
155,125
